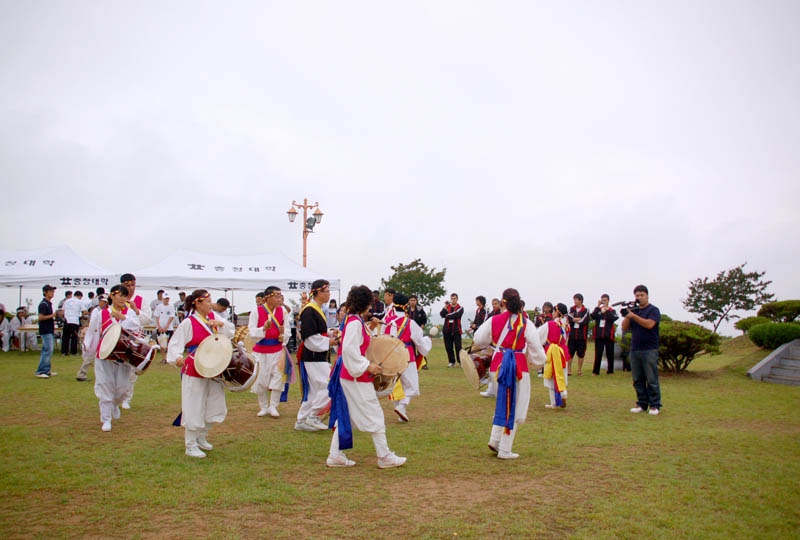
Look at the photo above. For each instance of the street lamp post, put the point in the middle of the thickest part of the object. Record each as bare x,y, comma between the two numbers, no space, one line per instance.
308,222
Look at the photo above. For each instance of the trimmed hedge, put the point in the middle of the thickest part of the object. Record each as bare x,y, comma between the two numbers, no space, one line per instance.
680,342
783,311
773,335
748,322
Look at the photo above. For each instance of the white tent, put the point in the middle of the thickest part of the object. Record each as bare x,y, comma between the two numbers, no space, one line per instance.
59,266
187,269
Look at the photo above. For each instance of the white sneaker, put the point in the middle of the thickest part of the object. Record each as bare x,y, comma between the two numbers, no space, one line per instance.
390,460
400,411
43,375
116,413
194,451
263,412
126,404
550,406
637,410
487,394
653,412
339,460
303,426
273,412
106,426
203,444
316,423
451,364
507,455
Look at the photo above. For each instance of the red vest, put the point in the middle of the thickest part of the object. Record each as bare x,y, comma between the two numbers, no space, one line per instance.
199,333
106,320
511,341
272,332
366,376
137,301
451,324
404,336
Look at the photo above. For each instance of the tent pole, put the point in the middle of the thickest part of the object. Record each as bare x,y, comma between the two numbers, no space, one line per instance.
20,296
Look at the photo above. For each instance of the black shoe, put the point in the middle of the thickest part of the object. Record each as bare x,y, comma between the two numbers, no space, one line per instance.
82,379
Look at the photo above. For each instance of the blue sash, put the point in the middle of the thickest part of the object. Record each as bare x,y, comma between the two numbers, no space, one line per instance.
339,410
506,405
287,369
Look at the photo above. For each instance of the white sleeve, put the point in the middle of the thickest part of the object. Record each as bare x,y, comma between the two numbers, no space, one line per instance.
145,316
252,325
423,342
89,340
482,336
354,361
228,329
542,332
534,351
317,343
287,327
14,324
180,338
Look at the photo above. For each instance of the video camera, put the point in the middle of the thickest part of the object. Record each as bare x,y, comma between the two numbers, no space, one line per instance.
628,307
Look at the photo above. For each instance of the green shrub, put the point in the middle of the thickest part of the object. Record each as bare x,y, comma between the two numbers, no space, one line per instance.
748,322
784,311
680,342
772,335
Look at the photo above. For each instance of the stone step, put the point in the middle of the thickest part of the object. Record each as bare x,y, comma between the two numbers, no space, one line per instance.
788,362
785,371
791,381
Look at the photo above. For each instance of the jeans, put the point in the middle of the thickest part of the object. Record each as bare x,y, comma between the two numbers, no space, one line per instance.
48,343
644,368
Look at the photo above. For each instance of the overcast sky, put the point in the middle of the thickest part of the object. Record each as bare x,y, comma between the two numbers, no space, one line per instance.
555,147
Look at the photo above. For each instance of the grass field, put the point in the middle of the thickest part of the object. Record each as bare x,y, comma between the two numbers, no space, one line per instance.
721,461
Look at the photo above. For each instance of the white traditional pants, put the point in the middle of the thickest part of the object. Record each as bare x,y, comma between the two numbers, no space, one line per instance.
270,377
318,375
365,415
410,381
6,341
202,405
498,438
110,385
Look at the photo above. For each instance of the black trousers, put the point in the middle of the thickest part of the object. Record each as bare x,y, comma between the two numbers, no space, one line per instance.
452,344
69,339
599,346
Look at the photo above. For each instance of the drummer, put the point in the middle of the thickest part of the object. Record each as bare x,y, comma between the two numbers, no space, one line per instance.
111,377
409,332
312,357
267,324
202,399
138,316
516,343
353,397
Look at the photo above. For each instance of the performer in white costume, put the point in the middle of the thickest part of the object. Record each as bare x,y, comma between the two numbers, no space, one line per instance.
138,317
268,324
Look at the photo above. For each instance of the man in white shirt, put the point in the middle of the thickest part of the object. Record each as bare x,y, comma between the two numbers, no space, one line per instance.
164,315
25,338
220,308
5,329
72,322
155,303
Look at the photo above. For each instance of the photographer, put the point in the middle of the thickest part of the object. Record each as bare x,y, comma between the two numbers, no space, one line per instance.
604,317
642,320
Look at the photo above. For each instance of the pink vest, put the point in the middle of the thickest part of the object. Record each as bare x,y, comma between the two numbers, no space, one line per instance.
137,301
366,376
404,336
511,341
106,320
271,333
199,333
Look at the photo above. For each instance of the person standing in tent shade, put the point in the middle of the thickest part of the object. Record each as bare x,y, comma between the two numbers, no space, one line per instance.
269,325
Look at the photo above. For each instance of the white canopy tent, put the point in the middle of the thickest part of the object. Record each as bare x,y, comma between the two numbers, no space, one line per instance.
58,266
190,269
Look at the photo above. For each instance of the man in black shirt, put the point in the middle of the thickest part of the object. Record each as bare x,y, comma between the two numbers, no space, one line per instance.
480,313
377,309
451,313
644,351
313,359
47,331
416,313
604,317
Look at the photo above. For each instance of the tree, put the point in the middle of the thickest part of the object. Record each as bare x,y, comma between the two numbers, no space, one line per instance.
681,342
716,299
416,278
785,311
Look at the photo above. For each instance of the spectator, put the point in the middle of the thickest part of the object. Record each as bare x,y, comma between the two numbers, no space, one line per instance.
47,332
377,309
95,300
180,307
221,307
89,301
5,329
497,308
480,313
546,315
331,314
22,319
644,351
452,313
157,301
165,316
604,330
578,318
72,322
416,313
